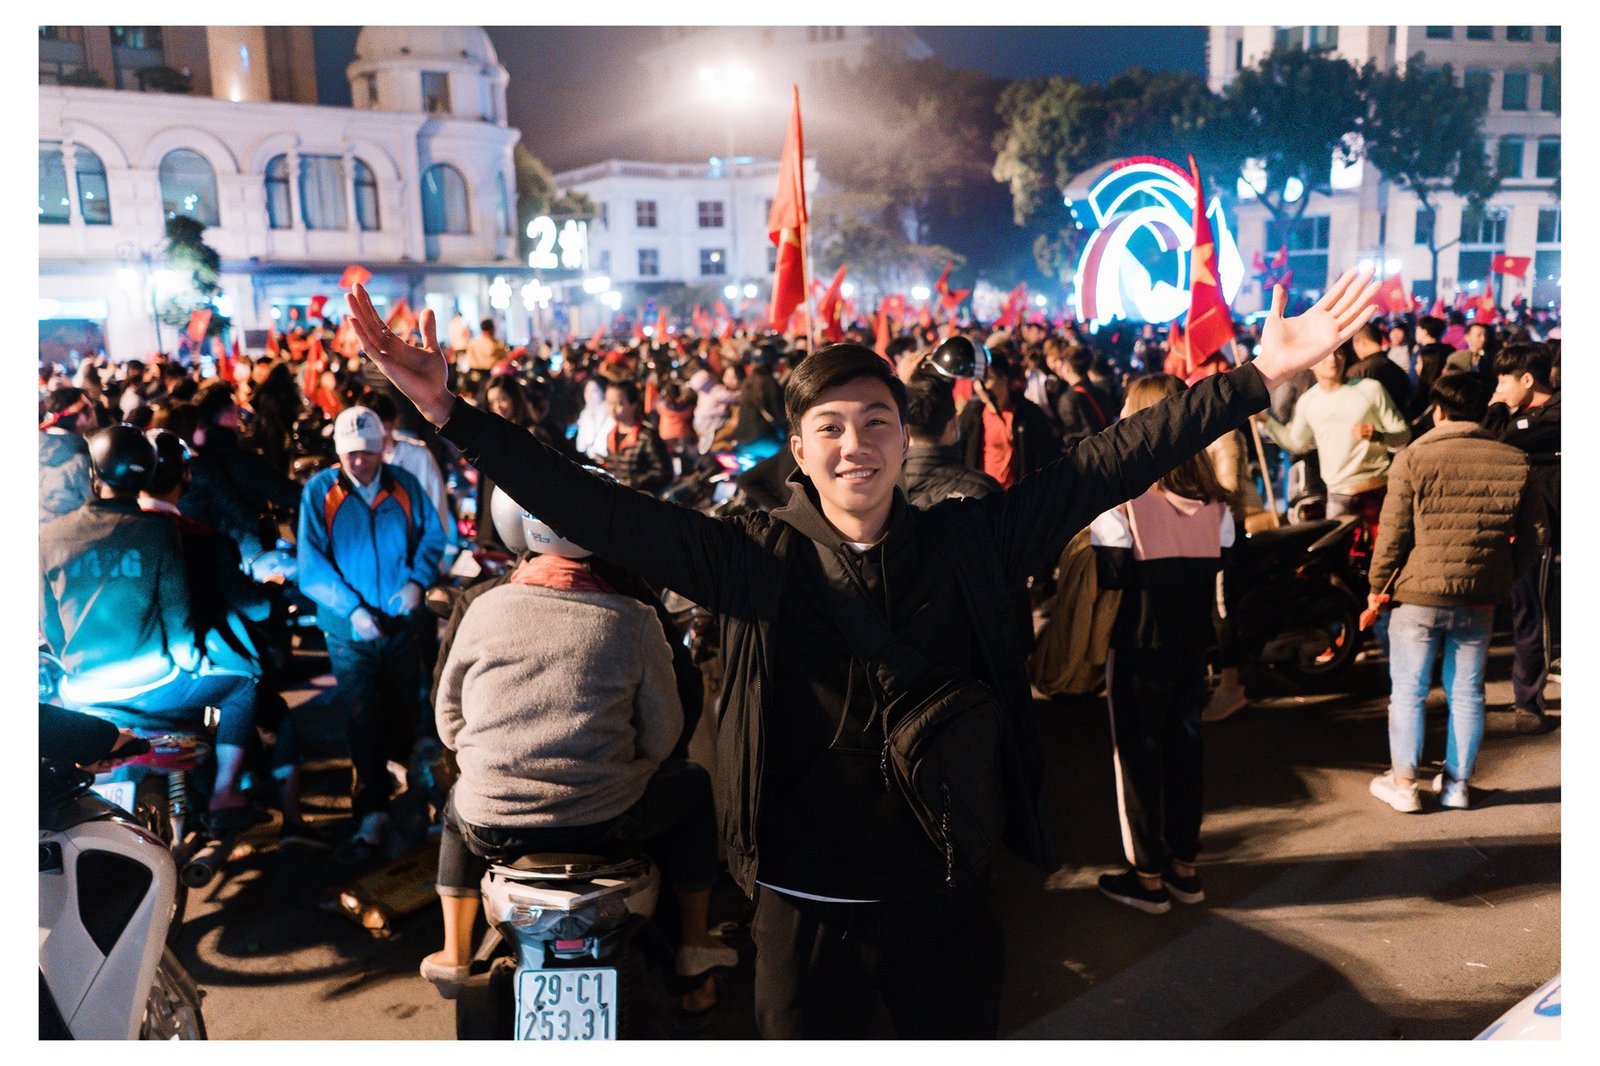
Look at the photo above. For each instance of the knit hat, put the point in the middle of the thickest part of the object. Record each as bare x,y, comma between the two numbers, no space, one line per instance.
357,429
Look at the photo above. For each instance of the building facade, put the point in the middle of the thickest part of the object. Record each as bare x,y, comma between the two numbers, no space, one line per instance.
1367,218
415,182
682,223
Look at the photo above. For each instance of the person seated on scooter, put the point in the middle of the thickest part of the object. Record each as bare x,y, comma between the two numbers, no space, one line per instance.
557,696
225,606
115,608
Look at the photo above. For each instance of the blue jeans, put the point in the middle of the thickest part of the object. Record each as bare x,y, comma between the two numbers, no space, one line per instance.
1417,635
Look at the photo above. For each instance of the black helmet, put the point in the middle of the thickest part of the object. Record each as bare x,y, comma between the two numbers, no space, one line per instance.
959,357
122,457
172,458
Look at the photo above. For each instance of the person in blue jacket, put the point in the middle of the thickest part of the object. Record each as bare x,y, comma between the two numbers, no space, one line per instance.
369,544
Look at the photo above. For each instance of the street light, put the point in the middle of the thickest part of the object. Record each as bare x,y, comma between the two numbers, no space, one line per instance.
749,290
920,292
729,86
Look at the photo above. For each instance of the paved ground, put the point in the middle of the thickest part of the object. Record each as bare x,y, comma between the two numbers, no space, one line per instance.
1329,916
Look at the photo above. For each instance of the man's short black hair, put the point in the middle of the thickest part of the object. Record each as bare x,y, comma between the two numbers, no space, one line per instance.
931,404
1519,359
487,326
62,397
1080,359
834,365
899,346
1432,325
628,387
1374,333
1461,396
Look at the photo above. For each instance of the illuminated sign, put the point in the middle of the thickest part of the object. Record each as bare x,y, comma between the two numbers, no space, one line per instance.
1136,264
572,238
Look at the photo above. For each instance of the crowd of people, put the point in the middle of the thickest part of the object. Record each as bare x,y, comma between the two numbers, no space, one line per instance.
179,511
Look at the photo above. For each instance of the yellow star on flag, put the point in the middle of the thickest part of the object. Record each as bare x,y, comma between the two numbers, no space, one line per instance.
1202,264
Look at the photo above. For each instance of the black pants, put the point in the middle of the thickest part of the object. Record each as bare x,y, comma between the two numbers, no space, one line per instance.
1156,697
378,686
821,968
1530,631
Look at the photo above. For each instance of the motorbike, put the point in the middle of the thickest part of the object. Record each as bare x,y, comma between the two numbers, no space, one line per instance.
162,789
1295,600
564,955
108,891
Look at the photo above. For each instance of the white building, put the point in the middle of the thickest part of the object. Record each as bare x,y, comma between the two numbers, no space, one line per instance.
684,223
1368,218
415,182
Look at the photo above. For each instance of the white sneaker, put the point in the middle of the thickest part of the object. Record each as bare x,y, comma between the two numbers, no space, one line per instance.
1403,798
1451,793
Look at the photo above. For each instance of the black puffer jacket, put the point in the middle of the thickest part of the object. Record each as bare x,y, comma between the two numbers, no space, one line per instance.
935,472
730,566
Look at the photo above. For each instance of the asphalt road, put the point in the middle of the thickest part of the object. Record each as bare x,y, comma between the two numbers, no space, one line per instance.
1329,916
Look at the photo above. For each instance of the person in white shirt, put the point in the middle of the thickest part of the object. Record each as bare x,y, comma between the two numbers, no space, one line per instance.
412,456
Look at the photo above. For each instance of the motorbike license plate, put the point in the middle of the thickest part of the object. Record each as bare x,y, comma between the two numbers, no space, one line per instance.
567,1005
119,793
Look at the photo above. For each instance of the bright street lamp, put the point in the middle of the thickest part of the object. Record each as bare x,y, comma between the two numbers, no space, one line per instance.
920,292
731,291
729,86
749,290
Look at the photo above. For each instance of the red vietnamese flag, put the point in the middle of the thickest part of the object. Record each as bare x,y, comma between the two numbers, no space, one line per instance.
880,329
1177,361
316,360
1515,265
315,307
1281,259
949,300
1438,308
1485,309
661,326
400,319
1012,309
354,275
786,223
1391,297
1210,323
593,344
199,322
828,307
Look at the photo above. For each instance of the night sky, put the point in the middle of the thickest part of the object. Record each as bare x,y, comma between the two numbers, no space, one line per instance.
570,84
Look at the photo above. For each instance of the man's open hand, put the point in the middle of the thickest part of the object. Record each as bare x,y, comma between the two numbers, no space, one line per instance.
1290,345
421,373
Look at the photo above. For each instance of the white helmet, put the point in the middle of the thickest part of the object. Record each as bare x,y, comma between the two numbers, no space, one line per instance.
521,531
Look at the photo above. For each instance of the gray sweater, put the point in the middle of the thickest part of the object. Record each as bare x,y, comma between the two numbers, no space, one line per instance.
559,705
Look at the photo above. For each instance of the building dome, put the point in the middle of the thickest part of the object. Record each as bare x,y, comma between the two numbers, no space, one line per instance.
439,43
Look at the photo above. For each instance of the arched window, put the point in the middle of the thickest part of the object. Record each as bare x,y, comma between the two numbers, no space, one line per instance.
279,214
188,186
506,220
94,197
444,201
366,197
322,192
54,209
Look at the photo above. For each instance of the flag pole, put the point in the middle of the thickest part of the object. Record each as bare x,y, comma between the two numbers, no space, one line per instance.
1266,473
805,228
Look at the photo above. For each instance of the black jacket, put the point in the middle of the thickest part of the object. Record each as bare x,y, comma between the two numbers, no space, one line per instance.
1032,445
730,566
645,465
1386,372
1536,431
231,490
935,472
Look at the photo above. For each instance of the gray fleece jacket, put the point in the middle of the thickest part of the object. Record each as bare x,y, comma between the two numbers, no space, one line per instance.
558,704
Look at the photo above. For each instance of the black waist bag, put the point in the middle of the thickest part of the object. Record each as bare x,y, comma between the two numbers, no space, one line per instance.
941,749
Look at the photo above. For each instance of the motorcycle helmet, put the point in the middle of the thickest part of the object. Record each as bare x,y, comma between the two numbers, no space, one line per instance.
959,357
527,532
122,457
172,459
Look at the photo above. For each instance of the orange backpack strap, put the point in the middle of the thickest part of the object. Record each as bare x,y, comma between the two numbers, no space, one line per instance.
337,494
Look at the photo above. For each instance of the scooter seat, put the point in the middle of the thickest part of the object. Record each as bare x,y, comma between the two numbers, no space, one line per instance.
569,866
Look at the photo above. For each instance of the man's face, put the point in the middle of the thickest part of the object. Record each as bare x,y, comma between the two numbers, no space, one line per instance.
1330,371
1515,389
501,403
1397,337
361,466
1364,345
617,405
851,445
1476,337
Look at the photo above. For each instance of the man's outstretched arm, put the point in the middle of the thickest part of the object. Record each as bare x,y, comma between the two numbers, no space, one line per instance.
666,544
1032,520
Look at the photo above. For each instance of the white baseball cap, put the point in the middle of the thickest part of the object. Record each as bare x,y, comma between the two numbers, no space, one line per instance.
357,429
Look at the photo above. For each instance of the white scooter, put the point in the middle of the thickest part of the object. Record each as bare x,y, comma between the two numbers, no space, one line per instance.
107,888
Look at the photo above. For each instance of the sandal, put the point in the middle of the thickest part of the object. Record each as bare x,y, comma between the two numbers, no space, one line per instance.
694,960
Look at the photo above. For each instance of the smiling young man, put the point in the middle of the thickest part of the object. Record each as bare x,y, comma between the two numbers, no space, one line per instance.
853,902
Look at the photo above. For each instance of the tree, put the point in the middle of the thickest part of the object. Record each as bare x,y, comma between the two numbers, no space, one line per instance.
1056,127
1423,132
906,144
198,263
864,230
1288,117
537,195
